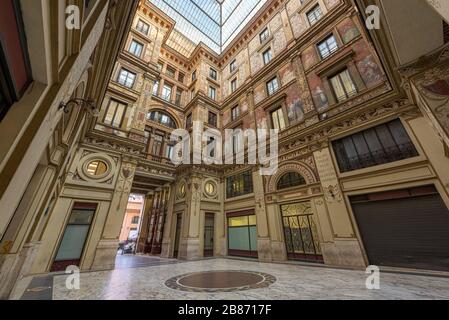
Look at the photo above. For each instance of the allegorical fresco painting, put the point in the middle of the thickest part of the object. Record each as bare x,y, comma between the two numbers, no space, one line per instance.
439,87
348,30
295,107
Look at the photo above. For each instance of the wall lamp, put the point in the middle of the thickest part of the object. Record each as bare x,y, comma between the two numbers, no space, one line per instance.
87,105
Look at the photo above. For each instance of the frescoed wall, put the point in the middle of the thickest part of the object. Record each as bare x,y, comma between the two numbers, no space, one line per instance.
348,30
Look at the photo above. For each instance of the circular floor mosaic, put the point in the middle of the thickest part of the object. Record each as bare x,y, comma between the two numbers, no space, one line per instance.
220,281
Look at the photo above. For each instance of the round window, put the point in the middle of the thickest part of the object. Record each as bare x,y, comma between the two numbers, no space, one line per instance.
210,188
97,168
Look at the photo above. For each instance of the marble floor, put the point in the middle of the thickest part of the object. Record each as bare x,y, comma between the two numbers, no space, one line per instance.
139,278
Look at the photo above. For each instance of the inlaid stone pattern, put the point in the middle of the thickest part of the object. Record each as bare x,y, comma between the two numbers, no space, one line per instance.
221,281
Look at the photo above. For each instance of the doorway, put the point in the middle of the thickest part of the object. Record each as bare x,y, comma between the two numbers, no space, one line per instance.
301,232
132,224
177,235
209,235
242,234
404,228
71,247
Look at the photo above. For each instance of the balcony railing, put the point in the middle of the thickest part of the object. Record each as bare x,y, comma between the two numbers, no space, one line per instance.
159,159
375,158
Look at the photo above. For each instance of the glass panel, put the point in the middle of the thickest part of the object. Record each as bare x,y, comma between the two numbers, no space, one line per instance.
81,216
110,112
238,221
118,115
347,83
72,243
275,119
238,238
214,22
382,144
253,238
252,220
338,89
209,238
296,235
300,230
97,168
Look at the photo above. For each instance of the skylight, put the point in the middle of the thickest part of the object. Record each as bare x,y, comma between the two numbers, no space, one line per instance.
216,23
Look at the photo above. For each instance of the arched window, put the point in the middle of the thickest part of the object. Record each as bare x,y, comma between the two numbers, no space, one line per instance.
162,118
290,179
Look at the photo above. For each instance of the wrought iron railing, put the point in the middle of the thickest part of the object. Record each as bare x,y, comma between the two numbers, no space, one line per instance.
374,158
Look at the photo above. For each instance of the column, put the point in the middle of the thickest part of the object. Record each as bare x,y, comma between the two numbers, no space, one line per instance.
159,222
153,221
263,235
145,225
108,244
190,239
345,249
168,233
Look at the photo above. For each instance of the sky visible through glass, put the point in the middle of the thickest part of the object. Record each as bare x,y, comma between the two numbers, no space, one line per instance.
214,22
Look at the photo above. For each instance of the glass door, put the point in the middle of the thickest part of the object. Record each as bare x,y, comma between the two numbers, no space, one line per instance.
177,235
242,235
301,233
209,235
75,235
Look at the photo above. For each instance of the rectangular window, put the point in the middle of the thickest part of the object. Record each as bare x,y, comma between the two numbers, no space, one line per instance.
126,78
264,35
235,113
327,47
267,56
135,220
193,75
383,144
157,145
160,66
277,118
272,86
239,185
169,152
136,48
189,121
213,74
178,97
314,15
114,113
343,86
232,66
233,85
166,92
212,119
142,27
170,72
212,93
181,77
237,142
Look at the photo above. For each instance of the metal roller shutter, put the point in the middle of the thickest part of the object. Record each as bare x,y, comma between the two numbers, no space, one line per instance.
411,232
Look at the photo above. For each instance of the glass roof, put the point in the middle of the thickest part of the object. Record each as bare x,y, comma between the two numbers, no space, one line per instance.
214,22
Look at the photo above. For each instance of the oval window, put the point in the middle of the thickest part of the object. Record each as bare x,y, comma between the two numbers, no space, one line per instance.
97,168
